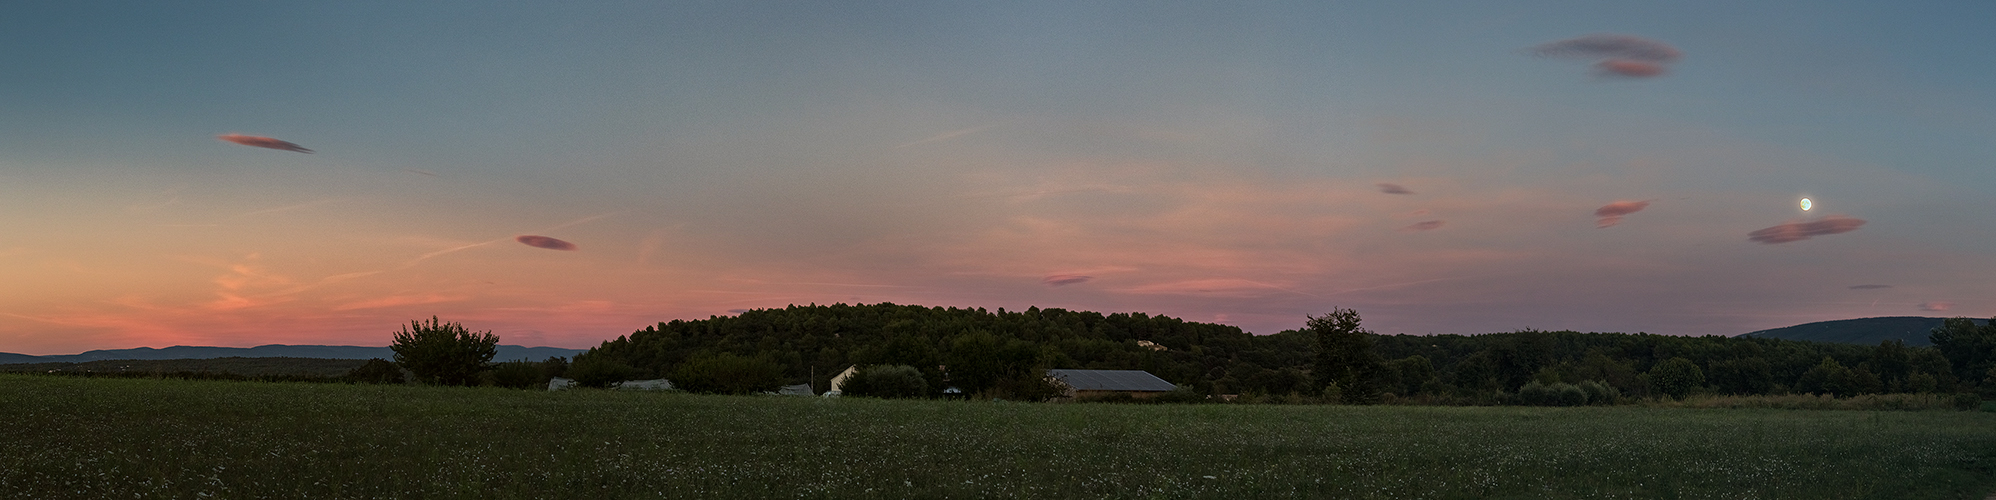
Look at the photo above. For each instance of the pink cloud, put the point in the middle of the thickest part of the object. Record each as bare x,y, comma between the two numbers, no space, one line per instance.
1390,188
1628,68
1614,55
1065,279
1423,225
544,242
1935,306
263,142
1802,230
1611,214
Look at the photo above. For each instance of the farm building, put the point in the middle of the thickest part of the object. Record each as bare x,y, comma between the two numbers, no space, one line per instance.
1098,383
839,381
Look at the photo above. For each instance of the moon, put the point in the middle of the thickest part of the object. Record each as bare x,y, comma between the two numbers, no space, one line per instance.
1806,204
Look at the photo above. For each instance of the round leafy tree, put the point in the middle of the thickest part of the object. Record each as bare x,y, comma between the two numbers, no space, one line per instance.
443,353
1676,377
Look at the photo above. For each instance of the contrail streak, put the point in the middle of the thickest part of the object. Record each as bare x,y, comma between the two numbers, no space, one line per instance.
945,136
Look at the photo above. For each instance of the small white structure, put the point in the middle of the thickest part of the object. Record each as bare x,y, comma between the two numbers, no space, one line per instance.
840,380
793,390
657,384
558,384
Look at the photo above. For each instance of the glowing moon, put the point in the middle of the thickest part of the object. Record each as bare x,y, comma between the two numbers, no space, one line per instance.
1806,204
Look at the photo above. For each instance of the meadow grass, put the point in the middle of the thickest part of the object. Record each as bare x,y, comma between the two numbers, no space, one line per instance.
140,438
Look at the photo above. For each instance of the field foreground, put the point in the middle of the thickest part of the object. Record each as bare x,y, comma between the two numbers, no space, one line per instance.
109,438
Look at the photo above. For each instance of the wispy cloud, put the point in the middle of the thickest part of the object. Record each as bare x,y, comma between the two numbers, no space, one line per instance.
1233,287
1869,287
398,300
945,136
1065,279
287,208
1936,306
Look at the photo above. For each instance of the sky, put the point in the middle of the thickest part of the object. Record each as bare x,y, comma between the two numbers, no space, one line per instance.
1440,167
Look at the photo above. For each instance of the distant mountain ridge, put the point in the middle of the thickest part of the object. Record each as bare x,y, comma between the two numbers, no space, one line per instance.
505,353
1912,330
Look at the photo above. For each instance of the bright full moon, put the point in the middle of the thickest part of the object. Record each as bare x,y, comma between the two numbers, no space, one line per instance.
1805,204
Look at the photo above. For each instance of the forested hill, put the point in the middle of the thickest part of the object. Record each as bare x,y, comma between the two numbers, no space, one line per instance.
980,349
986,352
1913,330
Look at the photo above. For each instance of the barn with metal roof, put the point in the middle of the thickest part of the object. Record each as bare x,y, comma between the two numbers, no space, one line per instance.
1097,383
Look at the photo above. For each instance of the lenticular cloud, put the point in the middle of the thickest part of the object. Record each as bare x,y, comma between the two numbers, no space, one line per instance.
1390,188
1614,55
1612,213
1802,230
1066,279
1604,46
545,242
263,142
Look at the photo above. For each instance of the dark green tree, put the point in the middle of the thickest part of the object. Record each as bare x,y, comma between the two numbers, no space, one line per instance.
1345,358
1742,376
443,353
727,373
886,381
1676,377
1892,362
1833,378
1413,372
554,366
1970,348
592,369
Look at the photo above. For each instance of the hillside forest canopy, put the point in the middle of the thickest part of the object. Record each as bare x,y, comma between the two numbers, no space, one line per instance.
1002,354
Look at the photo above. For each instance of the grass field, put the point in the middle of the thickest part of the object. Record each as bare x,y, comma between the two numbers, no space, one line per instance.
140,438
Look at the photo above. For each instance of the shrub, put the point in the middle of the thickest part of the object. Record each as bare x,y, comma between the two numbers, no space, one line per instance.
376,371
1967,401
518,375
1027,388
880,381
1568,395
1534,394
1183,394
1599,392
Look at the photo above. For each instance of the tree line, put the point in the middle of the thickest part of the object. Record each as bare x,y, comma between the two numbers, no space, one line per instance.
971,351
1332,358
